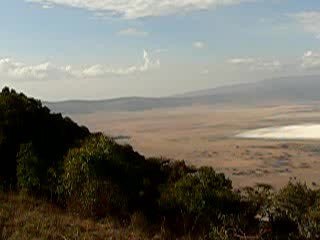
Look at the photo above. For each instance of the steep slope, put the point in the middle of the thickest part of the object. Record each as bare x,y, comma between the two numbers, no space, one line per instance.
25,121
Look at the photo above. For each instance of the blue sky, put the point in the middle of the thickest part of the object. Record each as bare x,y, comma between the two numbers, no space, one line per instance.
62,49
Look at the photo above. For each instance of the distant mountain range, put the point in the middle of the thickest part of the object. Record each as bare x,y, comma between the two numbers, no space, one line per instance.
294,90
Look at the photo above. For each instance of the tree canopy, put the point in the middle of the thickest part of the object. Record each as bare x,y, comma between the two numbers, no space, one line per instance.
25,120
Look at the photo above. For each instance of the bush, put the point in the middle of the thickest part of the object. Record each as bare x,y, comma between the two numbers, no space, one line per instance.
28,169
310,225
200,199
87,189
258,200
290,209
174,170
218,233
101,171
25,120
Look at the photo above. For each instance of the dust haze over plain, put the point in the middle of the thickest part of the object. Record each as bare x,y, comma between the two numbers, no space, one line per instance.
294,90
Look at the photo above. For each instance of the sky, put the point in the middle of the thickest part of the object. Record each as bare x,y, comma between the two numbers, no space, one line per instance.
101,49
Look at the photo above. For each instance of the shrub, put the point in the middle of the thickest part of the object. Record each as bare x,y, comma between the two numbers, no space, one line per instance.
199,199
309,227
218,233
25,120
258,200
101,171
290,209
87,189
28,169
175,170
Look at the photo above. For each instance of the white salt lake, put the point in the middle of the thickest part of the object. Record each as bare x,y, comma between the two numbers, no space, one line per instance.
304,131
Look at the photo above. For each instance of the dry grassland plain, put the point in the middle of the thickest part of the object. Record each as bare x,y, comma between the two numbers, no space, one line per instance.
206,136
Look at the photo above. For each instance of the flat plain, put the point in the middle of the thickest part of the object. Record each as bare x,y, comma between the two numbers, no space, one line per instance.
206,136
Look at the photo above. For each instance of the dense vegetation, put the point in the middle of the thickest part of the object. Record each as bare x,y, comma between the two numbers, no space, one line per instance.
88,175
26,125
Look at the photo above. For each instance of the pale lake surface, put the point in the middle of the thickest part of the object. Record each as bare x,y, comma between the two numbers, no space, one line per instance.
304,131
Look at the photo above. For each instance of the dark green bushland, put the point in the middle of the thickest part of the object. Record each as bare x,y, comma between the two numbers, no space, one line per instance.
24,120
103,171
48,156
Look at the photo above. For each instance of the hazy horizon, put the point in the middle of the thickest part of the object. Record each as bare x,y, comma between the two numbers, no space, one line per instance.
176,94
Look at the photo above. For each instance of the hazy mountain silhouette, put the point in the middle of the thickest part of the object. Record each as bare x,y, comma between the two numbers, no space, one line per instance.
295,90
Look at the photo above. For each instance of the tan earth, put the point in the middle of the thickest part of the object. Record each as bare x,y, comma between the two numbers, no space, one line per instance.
205,136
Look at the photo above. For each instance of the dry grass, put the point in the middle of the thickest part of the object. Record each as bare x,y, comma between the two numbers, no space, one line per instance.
205,136
23,218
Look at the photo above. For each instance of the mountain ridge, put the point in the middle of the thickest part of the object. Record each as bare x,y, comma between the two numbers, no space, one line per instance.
298,89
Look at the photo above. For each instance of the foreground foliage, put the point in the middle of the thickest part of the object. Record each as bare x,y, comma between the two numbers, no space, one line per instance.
88,175
103,177
25,121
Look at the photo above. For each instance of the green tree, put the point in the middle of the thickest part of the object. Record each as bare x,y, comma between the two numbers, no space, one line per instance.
290,209
25,120
28,171
125,180
200,199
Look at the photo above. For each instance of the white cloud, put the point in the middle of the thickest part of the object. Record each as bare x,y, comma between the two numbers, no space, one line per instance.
47,71
101,70
199,45
311,60
18,70
132,9
310,21
256,64
133,32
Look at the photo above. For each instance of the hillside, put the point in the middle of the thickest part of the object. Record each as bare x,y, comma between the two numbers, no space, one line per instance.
24,122
23,218
59,181
293,90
